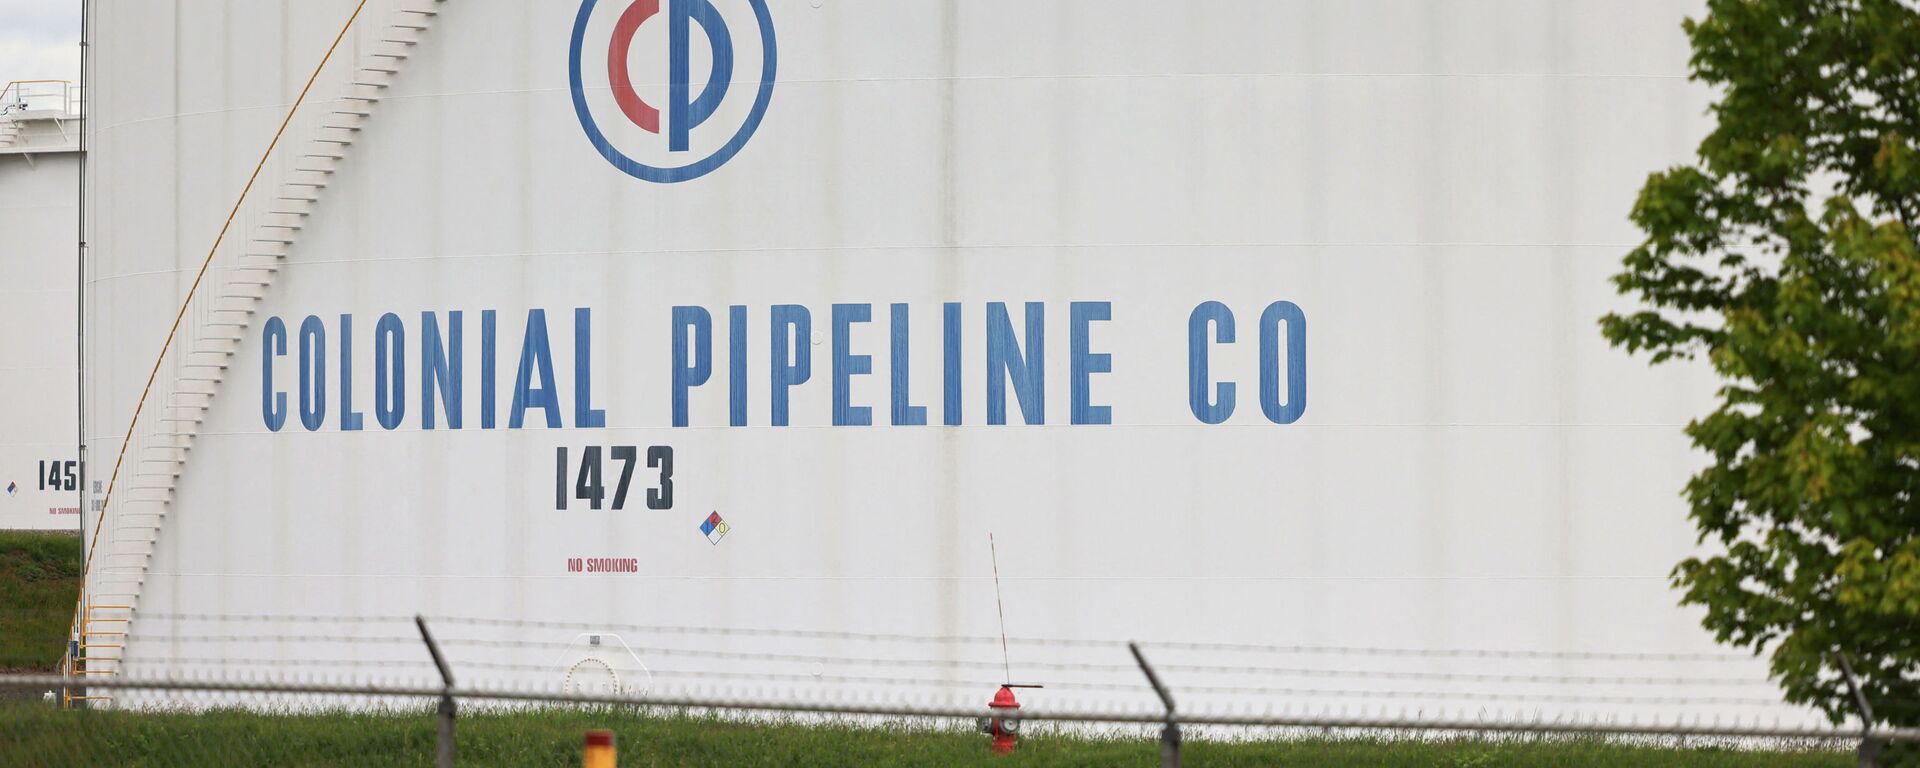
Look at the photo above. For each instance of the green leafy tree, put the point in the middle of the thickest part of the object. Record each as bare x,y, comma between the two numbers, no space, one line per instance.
1786,256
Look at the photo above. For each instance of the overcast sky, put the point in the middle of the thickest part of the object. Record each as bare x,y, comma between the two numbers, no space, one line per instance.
39,40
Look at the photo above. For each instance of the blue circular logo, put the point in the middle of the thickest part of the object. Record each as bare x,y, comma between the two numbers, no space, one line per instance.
683,111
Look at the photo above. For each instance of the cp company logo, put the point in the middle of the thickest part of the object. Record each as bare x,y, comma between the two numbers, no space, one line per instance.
642,109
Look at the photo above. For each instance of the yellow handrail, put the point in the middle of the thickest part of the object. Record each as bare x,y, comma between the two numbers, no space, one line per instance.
86,566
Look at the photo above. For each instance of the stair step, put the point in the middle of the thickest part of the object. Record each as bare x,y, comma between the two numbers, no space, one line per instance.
388,66
264,265
300,178
318,163
372,79
341,136
408,33
389,49
343,120
266,249
161,452
280,220
286,206
203,354
253,275
150,486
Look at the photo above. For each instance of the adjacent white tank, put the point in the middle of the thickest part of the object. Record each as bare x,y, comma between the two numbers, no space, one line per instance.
39,310
898,276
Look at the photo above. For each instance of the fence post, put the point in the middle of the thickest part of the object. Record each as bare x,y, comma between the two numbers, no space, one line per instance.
1869,746
443,753
1170,735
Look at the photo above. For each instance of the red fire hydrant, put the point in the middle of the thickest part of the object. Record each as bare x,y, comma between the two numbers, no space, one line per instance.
1002,729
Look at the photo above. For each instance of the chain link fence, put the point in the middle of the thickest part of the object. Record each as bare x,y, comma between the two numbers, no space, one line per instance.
199,689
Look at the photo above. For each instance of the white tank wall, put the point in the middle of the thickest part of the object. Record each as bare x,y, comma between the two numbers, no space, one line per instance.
186,97
39,257
1440,186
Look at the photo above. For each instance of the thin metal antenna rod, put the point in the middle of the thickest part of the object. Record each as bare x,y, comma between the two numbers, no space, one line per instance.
1006,661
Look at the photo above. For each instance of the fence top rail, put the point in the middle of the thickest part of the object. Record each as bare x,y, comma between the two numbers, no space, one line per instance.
1341,721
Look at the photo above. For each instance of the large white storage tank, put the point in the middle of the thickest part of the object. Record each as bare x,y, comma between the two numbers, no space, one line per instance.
1048,215
39,305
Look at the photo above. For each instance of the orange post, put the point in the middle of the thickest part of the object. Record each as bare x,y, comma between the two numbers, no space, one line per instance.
600,752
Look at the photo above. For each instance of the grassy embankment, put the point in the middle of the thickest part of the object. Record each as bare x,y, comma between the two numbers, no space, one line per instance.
39,577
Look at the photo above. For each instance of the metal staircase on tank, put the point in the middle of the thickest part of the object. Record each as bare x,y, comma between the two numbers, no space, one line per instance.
212,329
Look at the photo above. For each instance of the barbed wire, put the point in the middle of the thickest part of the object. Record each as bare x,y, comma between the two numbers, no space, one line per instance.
899,637
1094,643
1128,687
1132,687
1418,722
282,618
1051,666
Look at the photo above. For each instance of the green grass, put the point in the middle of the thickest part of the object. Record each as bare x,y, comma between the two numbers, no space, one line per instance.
39,580
32,734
